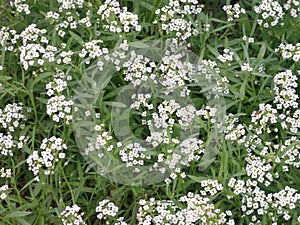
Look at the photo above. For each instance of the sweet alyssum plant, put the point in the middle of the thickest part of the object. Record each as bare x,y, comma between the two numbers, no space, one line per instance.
241,54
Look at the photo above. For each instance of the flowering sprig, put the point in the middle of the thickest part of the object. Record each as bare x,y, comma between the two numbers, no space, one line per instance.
72,216
45,160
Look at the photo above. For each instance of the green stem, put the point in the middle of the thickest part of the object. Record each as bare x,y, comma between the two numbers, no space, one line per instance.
67,182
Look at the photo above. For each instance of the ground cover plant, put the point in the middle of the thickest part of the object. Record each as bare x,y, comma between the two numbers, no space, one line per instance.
149,112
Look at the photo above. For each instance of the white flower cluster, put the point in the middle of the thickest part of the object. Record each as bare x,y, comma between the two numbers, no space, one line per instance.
71,216
270,11
258,203
206,27
186,115
35,49
70,4
233,11
67,19
65,57
93,50
11,120
58,106
3,192
134,155
226,57
190,149
285,200
172,72
289,152
11,116
285,84
8,38
221,84
101,140
234,131
5,173
106,208
174,18
211,187
249,39
293,7
289,51
260,119
8,143
139,69
20,6
258,169
246,67
118,19
141,100
176,73
198,210
46,159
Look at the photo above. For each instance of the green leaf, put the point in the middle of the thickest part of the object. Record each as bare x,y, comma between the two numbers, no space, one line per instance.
197,179
18,214
22,221
41,76
42,100
76,38
138,44
5,78
115,104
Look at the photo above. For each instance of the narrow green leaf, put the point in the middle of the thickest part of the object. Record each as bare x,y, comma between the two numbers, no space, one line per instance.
18,214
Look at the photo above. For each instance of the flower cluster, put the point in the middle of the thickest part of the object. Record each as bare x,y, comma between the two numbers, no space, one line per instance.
46,159
68,17
134,155
11,117
5,173
92,50
118,19
58,107
3,192
234,130
271,13
246,67
289,153
258,169
8,38
8,143
72,4
172,19
20,6
227,56
257,202
101,141
233,11
106,208
11,120
211,187
248,39
35,49
285,84
198,210
71,216
293,7
210,67
289,51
